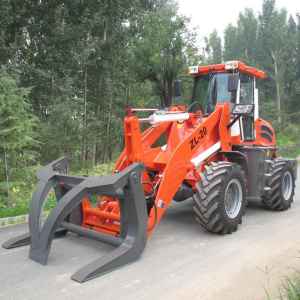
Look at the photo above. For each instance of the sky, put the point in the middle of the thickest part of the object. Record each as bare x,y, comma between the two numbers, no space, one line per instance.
208,15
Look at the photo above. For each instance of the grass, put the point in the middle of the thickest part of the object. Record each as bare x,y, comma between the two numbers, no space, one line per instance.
288,141
290,289
14,211
22,189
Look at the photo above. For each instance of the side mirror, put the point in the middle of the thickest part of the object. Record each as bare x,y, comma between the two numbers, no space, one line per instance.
177,88
233,82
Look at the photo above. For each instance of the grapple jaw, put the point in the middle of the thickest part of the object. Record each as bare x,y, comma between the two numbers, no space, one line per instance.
70,192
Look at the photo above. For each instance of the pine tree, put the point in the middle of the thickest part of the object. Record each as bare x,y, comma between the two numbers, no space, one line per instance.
16,126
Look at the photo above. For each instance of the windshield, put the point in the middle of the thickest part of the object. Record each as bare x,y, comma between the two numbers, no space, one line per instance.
213,89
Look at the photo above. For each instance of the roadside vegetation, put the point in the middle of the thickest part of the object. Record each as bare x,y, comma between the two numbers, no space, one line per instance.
291,289
69,69
288,140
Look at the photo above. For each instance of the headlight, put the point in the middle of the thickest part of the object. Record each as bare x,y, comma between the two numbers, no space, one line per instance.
194,70
241,109
231,65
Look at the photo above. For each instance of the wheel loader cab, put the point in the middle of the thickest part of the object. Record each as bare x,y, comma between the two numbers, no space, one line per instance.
216,88
233,87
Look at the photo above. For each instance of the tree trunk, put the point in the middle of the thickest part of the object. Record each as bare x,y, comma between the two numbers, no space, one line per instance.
278,92
169,92
84,146
108,125
6,177
95,145
166,92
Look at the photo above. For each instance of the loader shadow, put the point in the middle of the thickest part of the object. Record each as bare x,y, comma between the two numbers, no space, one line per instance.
181,215
68,249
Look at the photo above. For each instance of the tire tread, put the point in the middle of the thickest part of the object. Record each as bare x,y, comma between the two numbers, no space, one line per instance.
273,199
208,196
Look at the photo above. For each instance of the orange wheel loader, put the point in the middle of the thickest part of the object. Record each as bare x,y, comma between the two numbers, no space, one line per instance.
221,154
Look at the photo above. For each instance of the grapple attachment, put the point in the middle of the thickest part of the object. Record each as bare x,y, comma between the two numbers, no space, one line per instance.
66,216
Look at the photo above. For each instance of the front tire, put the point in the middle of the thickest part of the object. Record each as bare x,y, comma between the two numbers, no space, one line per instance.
220,197
281,186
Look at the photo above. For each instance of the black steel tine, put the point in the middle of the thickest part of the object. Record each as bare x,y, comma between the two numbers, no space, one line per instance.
136,235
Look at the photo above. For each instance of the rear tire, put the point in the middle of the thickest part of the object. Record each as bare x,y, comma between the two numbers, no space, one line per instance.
220,198
282,186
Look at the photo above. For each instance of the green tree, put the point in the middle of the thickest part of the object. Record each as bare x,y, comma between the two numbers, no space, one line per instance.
231,43
241,41
247,35
272,42
290,72
214,48
158,52
16,127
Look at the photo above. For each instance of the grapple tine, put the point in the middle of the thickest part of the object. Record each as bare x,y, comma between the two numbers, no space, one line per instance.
134,223
25,239
19,241
126,186
45,176
124,254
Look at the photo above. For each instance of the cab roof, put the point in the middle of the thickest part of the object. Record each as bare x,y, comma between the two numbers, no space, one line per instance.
229,66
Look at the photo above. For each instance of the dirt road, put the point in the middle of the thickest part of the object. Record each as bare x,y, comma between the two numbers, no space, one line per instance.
181,261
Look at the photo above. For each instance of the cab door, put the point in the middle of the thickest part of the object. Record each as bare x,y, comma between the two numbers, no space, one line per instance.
246,96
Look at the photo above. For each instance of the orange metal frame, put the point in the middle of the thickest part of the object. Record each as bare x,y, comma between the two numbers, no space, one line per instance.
168,166
241,67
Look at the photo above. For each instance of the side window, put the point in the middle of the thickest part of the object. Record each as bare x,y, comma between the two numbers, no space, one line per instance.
200,90
223,94
247,89
212,95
